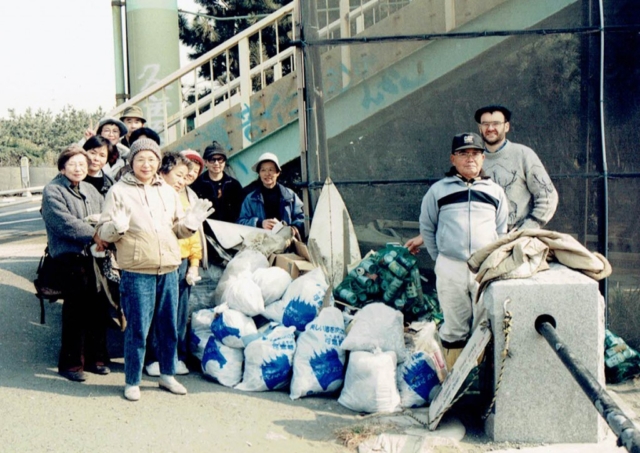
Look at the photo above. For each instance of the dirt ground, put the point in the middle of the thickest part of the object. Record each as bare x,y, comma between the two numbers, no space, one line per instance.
43,412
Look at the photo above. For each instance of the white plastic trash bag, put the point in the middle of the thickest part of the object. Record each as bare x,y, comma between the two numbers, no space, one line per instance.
246,260
370,382
222,363
202,319
200,331
425,338
242,265
303,298
268,360
229,326
318,364
244,295
273,282
416,378
377,325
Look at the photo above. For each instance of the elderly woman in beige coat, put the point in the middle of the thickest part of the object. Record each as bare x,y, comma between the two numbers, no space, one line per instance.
143,216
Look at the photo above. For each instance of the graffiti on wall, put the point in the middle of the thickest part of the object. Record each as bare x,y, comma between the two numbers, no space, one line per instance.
155,104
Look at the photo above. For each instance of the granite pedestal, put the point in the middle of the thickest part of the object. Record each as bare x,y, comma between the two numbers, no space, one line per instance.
538,400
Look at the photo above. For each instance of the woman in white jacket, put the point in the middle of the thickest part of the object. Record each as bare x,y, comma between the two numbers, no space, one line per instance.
143,216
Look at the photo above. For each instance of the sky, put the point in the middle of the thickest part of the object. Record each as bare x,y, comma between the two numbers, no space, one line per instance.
58,53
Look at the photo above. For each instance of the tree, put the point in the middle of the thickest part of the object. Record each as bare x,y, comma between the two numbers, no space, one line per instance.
41,135
203,33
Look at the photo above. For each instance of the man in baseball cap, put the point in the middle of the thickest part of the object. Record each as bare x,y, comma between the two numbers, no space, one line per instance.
460,214
134,119
218,187
517,169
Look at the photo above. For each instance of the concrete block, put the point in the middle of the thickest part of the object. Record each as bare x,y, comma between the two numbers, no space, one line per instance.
538,400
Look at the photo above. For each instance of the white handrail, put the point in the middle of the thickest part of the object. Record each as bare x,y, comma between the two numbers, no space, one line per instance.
238,84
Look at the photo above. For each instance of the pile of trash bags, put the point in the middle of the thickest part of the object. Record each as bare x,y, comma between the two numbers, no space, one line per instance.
269,332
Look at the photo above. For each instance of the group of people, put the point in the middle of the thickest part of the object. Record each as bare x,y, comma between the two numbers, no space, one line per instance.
117,195
493,187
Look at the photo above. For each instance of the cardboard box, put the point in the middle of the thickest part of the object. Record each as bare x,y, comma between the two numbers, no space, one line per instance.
295,264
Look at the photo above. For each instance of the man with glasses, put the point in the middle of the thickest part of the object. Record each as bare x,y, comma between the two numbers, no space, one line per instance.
460,214
216,186
517,169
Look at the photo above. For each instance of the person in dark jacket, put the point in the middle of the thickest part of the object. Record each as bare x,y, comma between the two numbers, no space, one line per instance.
68,205
271,203
218,187
99,149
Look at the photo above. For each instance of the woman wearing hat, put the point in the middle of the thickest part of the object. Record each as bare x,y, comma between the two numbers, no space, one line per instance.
271,203
112,129
144,217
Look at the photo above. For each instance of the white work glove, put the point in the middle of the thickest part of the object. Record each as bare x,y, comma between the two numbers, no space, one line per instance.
197,214
193,276
120,217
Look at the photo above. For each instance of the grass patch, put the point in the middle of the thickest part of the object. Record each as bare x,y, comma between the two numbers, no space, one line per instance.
352,436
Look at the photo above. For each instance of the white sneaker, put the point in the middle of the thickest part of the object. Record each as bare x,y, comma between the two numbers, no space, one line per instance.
153,369
181,368
132,392
169,383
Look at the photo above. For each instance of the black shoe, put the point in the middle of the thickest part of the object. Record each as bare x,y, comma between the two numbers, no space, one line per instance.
76,376
98,369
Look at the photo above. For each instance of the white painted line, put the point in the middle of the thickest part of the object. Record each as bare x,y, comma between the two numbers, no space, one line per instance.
21,221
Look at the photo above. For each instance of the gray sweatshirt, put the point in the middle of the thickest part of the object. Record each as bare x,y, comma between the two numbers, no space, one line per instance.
532,197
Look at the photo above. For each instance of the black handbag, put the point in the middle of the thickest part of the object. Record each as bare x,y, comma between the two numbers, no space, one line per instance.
47,282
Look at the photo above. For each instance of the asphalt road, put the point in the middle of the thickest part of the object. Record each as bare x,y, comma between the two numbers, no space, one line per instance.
43,412
20,219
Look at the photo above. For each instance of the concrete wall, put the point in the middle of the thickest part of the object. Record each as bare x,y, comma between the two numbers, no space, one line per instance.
10,178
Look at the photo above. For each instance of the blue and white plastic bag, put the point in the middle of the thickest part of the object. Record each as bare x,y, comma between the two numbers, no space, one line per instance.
318,364
303,298
268,361
416,379
222,363
229,326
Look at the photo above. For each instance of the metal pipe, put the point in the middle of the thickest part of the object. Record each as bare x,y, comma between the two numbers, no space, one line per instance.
605,167
118,51
620,424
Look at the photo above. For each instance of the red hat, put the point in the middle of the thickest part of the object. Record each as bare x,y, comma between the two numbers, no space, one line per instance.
193,156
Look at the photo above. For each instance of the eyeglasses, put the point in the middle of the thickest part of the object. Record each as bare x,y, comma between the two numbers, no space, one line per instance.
217,159
466,154
494,124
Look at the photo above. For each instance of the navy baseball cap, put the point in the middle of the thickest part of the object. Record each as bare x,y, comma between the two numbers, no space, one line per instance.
466,140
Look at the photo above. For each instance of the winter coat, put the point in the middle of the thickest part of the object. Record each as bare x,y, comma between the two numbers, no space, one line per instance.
252,212
150,245
226,196
457,217
64,211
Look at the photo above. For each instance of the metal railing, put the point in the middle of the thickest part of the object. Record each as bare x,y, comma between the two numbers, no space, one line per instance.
205,94
202,98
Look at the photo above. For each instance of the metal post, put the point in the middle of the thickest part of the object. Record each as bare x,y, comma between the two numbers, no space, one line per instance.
620,424
118,51
316,145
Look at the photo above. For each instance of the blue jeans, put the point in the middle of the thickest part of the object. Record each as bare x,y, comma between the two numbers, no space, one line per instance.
184,291
147,297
